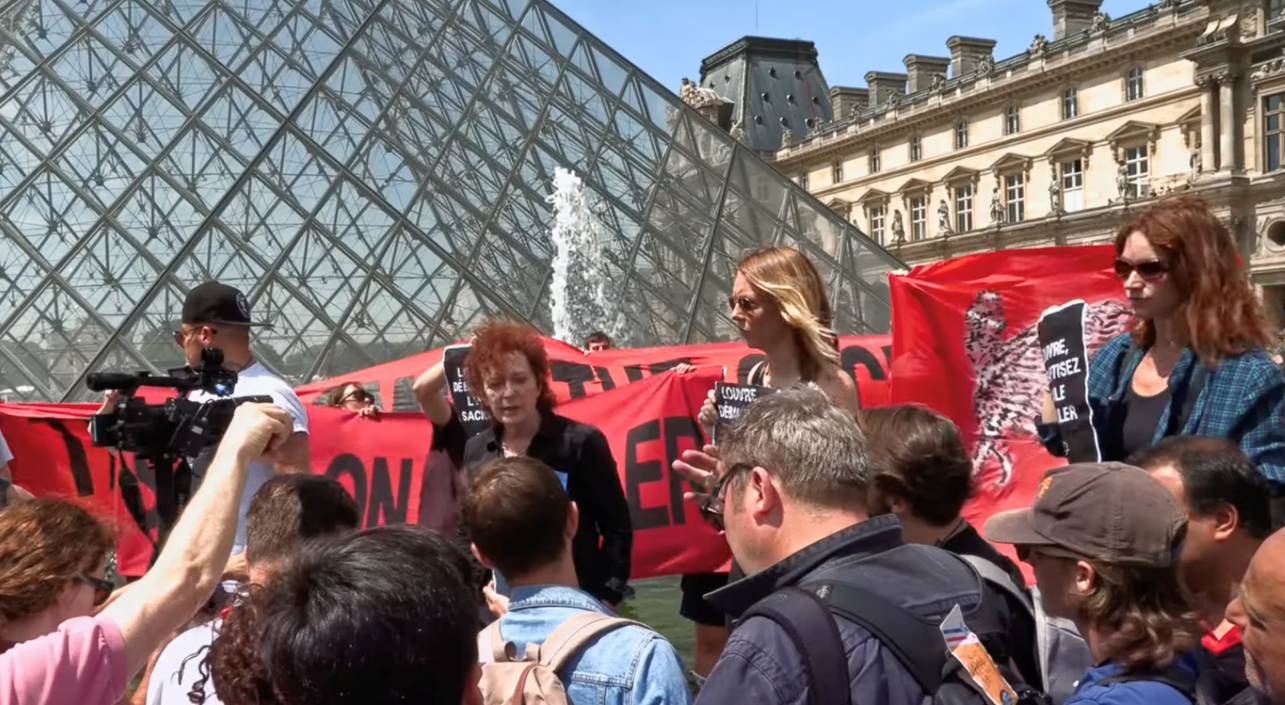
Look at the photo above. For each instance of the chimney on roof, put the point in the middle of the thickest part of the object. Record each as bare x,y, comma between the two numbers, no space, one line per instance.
921,70
884,85
1072,16
965,52
847,100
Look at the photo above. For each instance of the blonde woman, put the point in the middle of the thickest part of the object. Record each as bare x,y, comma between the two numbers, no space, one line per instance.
780,306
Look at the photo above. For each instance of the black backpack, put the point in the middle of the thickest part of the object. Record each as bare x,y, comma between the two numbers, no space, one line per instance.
807,616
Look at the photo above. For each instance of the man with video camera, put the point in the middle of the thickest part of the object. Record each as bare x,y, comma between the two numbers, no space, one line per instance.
216,315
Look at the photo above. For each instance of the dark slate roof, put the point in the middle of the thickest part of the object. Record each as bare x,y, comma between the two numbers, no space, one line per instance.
775,84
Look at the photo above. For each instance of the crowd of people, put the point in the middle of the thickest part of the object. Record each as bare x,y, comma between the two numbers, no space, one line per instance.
1157,571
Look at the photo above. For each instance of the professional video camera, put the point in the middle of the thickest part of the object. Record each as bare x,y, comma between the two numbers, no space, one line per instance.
165,435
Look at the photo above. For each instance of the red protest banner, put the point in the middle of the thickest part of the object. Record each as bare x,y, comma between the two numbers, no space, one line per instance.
386,465
576,375
964,343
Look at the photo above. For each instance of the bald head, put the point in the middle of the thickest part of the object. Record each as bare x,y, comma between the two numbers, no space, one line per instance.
1260,613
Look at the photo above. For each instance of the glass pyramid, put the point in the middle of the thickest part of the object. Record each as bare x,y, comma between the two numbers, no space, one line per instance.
372,173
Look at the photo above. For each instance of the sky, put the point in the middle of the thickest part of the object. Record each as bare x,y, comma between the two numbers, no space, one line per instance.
668,38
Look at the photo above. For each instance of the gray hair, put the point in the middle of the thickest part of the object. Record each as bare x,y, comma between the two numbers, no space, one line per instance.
811,446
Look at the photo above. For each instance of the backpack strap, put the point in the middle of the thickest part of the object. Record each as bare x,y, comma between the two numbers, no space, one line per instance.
1174,676
491,647
918,645
811,627
1000,578
572,635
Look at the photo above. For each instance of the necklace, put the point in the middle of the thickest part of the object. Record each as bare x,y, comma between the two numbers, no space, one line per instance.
514,451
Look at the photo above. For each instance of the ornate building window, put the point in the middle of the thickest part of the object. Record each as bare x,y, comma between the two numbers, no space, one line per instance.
1137,166
961,134
1070,103
1015,197
916,148
1133,84
874,161
1071,174
1012,120
874,217
875,221
836,172
918,217
1275,15
1274,131
803,180
963,208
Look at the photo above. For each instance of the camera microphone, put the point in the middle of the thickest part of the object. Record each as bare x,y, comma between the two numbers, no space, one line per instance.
103,381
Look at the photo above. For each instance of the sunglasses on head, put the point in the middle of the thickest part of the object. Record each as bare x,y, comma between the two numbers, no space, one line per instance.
103,587
711,503
1150,270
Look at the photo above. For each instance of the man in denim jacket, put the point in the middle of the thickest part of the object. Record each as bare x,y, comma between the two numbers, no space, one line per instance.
522,523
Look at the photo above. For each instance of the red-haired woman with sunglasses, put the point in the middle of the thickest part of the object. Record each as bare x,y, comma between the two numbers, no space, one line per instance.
1196,361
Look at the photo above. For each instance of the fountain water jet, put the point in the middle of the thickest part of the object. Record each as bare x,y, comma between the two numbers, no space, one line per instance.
579,298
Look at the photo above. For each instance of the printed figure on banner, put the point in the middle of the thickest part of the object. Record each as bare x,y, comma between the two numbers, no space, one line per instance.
1064,345
732,399
472,415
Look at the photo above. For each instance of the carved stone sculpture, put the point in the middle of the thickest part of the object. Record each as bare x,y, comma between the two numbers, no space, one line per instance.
943,218
787,138
1197,162
1122,182
898,230
985,65
697,97
738,132
1055,196
1168,4
1038,44
939,82
1101,21
997,207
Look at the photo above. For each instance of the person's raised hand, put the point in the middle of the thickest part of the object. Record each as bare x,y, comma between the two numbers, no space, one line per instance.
110,399
683,368
701,467
369,412
708,414
497,603
256,430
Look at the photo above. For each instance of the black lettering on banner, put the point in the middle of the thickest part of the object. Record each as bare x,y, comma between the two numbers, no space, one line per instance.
676,429
604,378
732,399
854,355
383,501
887,355
77,460
351,466
639,472
474,418
1066,362
635,372
574,374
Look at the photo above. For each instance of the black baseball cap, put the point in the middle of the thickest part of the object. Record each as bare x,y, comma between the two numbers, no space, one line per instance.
1110,512
213,302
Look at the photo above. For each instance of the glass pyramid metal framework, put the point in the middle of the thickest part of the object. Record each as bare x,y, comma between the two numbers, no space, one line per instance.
372,173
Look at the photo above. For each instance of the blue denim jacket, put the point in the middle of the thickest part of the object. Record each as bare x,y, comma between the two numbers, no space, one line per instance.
625,666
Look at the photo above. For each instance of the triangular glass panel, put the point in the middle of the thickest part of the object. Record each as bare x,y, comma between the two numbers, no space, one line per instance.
375,176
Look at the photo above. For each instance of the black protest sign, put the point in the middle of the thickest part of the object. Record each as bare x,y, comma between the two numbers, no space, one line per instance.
731,400
472,415
1066,361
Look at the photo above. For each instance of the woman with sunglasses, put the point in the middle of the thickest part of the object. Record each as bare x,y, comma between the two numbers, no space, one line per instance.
1196,361
55,557
355,398
780,306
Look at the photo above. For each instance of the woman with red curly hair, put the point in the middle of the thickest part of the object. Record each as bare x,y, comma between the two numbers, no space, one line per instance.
508,369
1196,362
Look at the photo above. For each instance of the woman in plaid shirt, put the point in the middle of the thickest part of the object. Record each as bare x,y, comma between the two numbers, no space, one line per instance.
1196,362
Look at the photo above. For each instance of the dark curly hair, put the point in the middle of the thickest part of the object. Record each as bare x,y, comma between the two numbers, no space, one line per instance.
492,343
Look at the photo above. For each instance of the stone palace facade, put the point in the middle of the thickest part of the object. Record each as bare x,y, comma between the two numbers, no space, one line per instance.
1057,145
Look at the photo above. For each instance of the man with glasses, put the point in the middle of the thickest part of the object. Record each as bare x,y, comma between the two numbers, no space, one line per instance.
216,315
791,493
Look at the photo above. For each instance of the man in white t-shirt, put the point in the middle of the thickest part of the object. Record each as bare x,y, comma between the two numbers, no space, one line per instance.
216,315
284,512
